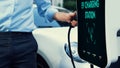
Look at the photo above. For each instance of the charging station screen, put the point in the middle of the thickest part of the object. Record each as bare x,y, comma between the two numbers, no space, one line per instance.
91,31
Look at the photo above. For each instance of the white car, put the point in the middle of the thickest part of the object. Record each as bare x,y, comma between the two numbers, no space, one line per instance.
53,49
52,42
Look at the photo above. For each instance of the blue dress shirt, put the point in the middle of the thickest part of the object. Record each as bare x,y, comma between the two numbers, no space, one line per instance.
17,15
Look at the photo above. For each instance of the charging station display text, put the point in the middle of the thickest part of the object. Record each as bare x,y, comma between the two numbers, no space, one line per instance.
91,31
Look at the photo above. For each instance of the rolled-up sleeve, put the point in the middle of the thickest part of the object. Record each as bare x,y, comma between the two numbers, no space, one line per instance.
45,9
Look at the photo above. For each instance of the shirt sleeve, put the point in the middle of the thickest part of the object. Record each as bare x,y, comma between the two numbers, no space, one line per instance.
45,9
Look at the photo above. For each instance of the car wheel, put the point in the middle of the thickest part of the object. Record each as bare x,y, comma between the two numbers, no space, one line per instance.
41,63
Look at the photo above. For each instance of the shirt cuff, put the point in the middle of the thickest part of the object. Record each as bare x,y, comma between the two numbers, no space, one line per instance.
50,13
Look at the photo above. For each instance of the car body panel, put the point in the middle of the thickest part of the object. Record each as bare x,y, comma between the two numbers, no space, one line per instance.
51,43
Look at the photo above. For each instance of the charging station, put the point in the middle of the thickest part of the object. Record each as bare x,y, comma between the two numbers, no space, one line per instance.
98,23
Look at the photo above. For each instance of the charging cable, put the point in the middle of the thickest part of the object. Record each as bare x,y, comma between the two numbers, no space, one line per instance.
91,66
69,45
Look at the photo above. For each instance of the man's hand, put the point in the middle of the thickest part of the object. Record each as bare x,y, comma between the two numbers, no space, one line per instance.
66,17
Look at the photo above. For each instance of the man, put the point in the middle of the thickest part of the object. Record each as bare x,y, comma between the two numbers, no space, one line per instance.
17,44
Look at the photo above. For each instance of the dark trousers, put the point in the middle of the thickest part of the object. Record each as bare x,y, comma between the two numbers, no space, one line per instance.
17,50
